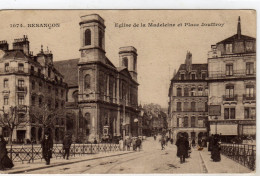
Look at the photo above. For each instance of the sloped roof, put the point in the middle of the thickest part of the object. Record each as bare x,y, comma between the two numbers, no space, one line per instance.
13,54
194,67
69,69
235,37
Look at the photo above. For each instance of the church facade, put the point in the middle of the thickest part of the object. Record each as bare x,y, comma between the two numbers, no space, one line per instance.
102,98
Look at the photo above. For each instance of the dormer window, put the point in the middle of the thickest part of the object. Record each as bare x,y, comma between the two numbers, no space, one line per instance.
182,76
193,76
229,48
6,67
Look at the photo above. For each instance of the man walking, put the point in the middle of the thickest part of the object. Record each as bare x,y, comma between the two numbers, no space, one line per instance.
66,146
181,144
47,145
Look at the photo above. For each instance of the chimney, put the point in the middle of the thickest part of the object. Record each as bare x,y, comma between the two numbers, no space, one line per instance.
22,44
4,45
239,28
174,73
188,61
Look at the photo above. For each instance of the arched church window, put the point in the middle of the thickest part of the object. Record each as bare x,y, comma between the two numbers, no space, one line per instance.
87,82
125,62
88,37
100,39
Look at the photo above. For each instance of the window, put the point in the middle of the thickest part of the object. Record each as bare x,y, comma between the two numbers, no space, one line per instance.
20,67
182,76
203,76
193,120
200,90
62,104
178,106
20,100
6,67
185,122
229,69
100,39
33,85
178,122
250,91
40,86
186,91
49,89
21,117
206,91
193,76
201,106
20,83
6,83
229,91
193,106
87,82
6,100
39,72
125,62
250,113
193,91
229,48
56,104
249,68
49,72
33,100
229,113
179,94
32,69
40,101
88,37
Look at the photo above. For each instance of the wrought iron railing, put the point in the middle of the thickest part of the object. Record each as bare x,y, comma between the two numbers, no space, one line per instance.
230,97
242,153
234,73
34,152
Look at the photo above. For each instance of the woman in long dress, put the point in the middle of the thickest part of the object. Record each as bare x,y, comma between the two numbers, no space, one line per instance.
5,161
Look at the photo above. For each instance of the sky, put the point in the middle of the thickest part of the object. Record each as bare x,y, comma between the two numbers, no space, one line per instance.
160,49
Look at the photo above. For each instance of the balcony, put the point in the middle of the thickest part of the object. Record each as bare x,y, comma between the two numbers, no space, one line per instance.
21,89
229,98
249,98
234,74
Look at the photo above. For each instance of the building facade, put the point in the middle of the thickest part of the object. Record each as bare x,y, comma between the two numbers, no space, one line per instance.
26,82
232,85
188,97
103,98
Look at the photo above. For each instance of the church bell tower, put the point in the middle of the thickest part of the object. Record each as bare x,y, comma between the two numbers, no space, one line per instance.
92,38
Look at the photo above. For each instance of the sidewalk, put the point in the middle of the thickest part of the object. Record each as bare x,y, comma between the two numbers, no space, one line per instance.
226,165
40,164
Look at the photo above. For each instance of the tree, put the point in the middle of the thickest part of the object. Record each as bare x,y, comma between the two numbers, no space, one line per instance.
13,118
46,116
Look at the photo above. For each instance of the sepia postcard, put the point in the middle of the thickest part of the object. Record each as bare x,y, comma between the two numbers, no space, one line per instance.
127,91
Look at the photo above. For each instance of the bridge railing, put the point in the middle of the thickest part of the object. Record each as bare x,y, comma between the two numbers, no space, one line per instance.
34,152
242,153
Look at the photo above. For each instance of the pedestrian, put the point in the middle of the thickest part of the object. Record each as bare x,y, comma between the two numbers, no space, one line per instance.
121,144
215,153
134,144
47,145
138,144
210,142
154,137
5,161
193,143
128,144
66,146
181,148
163,141
95,141
171,140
